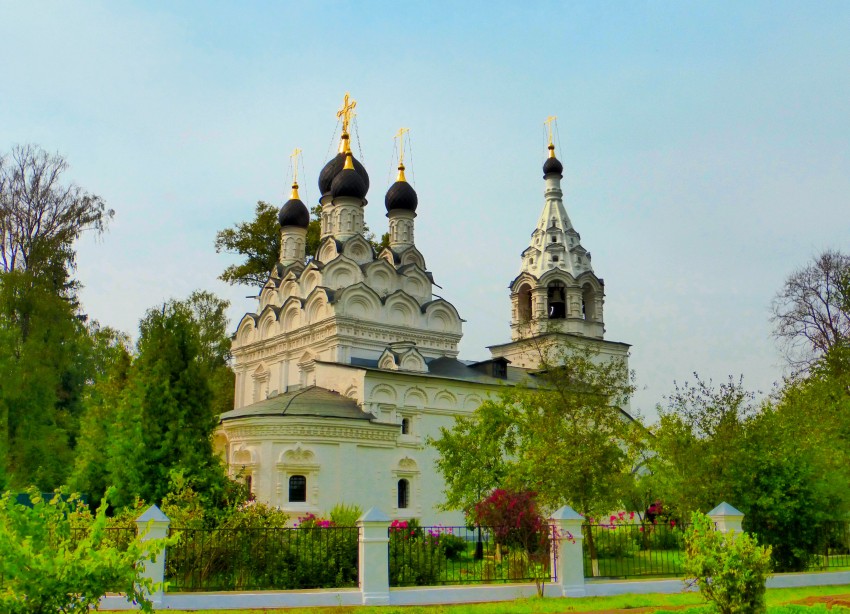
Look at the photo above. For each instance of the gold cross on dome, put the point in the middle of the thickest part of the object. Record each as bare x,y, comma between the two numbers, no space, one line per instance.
346,112
400,136
548,123
294,155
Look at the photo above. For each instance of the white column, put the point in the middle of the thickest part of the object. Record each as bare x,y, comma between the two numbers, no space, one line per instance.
374,568
727,519
153,524
568,547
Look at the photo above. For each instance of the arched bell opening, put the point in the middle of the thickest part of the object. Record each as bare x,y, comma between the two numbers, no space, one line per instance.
588,302
556,294
524,303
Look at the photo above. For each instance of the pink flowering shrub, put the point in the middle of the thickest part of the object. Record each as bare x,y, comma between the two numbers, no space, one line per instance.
514,520
416,557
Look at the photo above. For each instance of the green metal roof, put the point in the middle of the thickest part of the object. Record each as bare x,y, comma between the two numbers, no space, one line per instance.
310,401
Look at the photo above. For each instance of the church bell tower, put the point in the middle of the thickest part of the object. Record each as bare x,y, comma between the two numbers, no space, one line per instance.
557,295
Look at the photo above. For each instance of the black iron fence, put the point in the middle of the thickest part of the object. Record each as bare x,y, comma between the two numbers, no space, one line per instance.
833,546
430,556
629,550
262,559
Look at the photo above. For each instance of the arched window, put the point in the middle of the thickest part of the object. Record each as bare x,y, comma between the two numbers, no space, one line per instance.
557,300
249,484
524,303
405,426
403,494
297,489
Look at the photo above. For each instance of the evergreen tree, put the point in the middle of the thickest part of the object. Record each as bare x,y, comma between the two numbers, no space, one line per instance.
44,355
101,401
164,416
210,314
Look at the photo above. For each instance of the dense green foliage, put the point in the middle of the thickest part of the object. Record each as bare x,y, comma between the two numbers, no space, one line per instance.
48,354
255,546
52,560
562,436
784,463
731,570
161,409
257,242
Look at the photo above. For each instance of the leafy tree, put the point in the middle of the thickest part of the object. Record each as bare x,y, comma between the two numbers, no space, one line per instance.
788,490
45,359
46,356
473,455
562,436
49,565
699,436
258,243
811,313
41,216
91,473
783,464
210,314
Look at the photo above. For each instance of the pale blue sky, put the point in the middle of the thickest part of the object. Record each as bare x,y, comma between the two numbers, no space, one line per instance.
706,146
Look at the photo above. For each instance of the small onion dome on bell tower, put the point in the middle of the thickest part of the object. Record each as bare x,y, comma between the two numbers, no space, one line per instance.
294,212
552,164
335,166
401,195
349,182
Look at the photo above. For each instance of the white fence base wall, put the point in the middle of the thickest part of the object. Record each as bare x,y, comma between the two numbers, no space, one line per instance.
793,580
436,595
607,588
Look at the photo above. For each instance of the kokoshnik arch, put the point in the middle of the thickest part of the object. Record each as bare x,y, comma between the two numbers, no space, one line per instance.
351,362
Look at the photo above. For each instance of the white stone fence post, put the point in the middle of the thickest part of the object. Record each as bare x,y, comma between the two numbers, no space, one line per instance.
374,563
727,519
153,524
567,549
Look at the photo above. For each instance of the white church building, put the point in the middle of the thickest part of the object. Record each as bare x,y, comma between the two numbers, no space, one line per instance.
350,362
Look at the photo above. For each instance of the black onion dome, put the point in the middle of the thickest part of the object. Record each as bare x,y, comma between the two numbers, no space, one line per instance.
294,213
348,182
332,169
552,165
401,195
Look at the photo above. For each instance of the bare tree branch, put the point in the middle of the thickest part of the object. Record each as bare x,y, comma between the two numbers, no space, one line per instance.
811,313
40,217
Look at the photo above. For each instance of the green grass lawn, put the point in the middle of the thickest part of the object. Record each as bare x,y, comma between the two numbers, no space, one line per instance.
775,598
